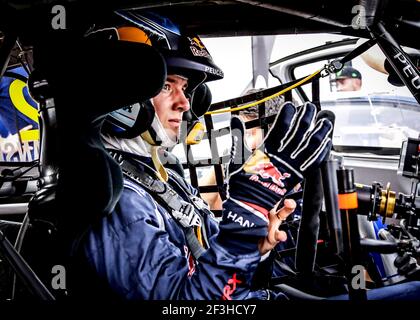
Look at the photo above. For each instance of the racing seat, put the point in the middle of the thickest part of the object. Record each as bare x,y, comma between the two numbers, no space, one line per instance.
80,182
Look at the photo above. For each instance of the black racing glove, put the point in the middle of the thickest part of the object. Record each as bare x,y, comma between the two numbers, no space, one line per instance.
259,180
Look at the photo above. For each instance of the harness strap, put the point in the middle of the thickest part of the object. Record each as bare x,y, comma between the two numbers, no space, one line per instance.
15,75
358,51
337,65
193,243
182,211
202,209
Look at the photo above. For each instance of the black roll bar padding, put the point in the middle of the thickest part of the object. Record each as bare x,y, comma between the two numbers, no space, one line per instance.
316,93
18,188
313,195
5,51
358,51
309,225
373,10
8,29
380,246
329,182
218,169
48,158
23,271
398,59
191,168
295,294
312,13
312,204
288,96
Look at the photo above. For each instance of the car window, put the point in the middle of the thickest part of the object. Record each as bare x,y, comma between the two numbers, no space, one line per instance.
377,114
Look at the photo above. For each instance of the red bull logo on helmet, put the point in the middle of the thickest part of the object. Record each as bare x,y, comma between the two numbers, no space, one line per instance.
264,172
197,48
198,42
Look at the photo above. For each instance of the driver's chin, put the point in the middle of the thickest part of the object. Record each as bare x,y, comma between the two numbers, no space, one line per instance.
172,133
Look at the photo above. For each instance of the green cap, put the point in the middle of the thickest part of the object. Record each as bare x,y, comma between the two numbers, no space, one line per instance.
348,72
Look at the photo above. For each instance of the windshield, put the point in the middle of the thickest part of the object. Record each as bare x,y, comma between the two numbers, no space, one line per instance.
369,111
374,120
379,115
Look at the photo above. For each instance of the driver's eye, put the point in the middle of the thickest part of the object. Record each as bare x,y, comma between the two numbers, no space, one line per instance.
166,87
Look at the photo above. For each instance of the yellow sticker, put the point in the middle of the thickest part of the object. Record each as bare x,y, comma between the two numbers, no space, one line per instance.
18,99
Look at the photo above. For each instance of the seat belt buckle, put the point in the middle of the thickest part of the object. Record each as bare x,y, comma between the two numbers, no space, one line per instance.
186,216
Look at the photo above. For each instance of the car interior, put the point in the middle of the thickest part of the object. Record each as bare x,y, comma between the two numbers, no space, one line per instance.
47,175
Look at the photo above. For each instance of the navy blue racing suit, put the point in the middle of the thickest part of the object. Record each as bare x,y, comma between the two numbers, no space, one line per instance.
142,253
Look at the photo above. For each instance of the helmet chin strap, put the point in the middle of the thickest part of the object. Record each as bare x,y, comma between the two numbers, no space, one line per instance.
161,172
156,136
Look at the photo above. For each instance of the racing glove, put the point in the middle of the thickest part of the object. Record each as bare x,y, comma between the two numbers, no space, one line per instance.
258,180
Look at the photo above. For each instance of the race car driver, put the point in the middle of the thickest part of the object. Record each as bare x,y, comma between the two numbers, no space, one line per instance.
161,241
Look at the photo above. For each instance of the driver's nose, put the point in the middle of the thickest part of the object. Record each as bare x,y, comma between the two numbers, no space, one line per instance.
181,101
